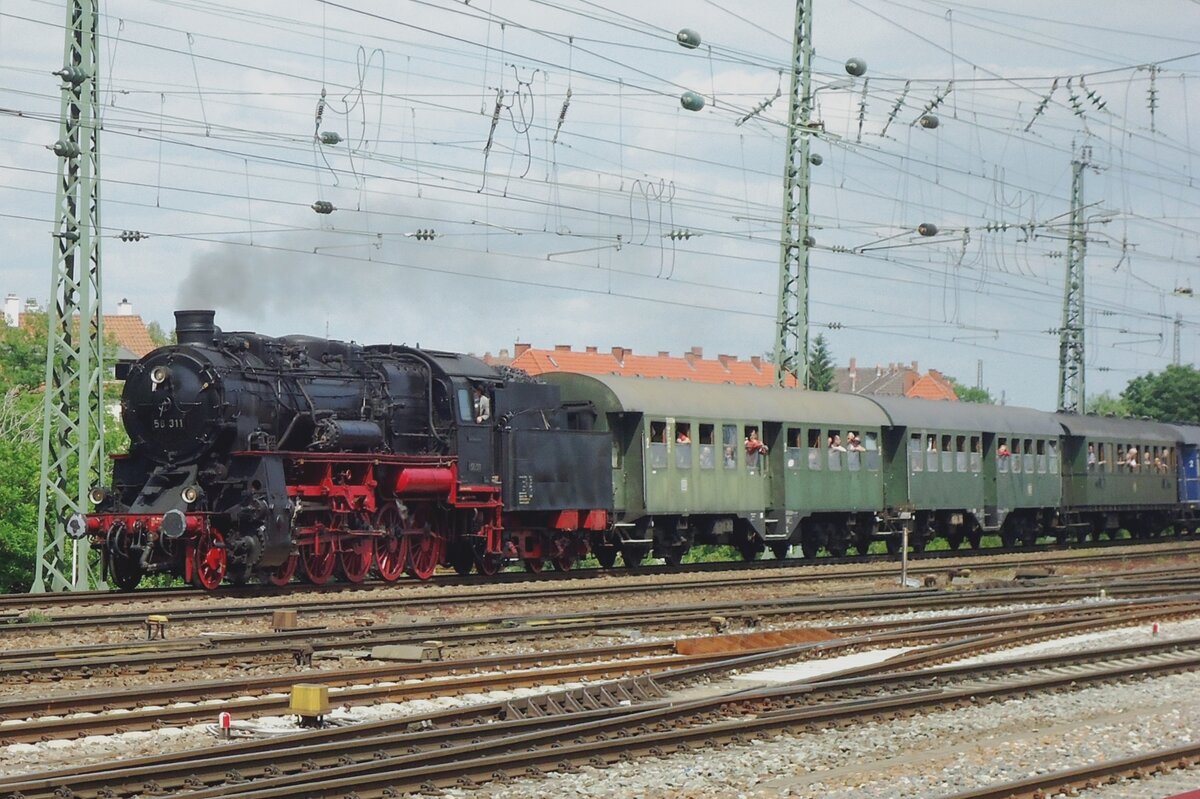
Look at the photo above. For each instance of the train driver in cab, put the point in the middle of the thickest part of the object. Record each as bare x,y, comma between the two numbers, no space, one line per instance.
483,405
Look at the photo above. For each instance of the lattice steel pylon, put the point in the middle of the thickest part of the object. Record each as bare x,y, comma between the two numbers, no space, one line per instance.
1071,394
791,320
73,429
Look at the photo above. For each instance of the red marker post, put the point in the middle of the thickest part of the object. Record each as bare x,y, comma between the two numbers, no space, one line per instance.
225,721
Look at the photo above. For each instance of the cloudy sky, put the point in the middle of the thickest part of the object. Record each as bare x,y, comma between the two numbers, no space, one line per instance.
524,171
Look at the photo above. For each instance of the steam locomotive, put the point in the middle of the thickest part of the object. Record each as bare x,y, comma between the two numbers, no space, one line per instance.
253,457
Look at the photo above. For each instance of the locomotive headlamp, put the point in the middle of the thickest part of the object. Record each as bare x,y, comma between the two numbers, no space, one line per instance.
190,494
159,375
98,495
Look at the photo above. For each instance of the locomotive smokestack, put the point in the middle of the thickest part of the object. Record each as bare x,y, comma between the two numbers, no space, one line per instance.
195,327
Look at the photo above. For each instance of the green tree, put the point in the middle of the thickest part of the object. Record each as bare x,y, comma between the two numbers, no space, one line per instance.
820,365
159,336
1172,395
23,354
970,393
1105,404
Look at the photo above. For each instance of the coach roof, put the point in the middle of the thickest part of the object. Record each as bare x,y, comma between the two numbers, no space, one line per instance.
1114,428
943,415
718,401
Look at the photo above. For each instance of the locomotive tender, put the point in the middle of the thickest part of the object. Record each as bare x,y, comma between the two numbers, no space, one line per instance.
253,457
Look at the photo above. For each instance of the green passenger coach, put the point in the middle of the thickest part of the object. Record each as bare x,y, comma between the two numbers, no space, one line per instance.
791,467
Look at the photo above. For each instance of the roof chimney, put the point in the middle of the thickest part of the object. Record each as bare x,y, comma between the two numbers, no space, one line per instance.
664,354
520,349
756,362
690,357
124,307
619,353
698,352
915,369
726,360
562,347
591,350
12,310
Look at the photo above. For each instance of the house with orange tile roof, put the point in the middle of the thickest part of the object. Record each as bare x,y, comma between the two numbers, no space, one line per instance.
622,361
124,328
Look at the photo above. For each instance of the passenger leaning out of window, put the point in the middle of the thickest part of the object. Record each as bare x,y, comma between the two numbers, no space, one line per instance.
754,447
835,442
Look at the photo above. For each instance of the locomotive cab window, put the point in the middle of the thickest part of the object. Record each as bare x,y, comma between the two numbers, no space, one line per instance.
466,411
916,453
708,449
729,446
814,449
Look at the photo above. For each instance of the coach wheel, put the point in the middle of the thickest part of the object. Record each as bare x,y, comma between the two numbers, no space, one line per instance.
210,562
633,555
318,559
284,572
425,553
780,549
975,536
810,542
606,556
673,554
391,550
356,557
893,542
837,540
125,570
534,565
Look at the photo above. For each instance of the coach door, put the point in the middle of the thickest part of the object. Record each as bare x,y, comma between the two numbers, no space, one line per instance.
1189,473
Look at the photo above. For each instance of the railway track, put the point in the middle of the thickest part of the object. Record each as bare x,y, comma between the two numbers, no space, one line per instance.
11,605
299,645
563,731
387,601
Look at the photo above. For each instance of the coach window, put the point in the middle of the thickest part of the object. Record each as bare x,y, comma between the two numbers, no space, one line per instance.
871,445
814,449
683,445
1003,456
708,447
1109,463
947,453
729,446
658,445
837,448
756,448
960,453
1041,456
1016,456
931,454
1029,459
794,447
1052,456
976,454
1169,459
1121,459
916,455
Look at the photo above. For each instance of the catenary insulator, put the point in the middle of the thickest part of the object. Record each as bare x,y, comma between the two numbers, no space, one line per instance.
688,38
323,207
929,121
691,101
330,137
73,74
65,149
927,229
815,159
810,241
856,67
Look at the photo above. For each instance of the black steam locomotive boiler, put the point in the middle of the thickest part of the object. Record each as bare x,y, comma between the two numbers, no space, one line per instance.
253,457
